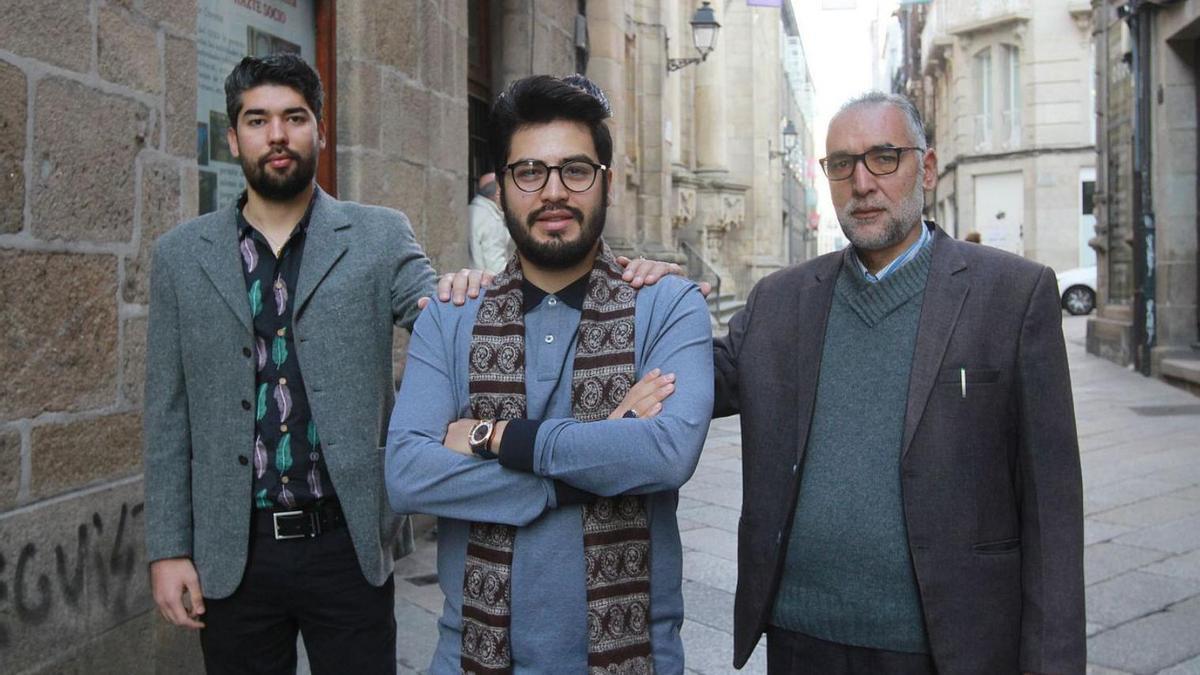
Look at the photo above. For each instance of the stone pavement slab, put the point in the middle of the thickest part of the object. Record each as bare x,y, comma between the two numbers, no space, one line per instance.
1136,594
1149,644
1141,471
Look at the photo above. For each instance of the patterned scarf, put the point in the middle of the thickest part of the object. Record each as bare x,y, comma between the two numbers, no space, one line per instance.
616,533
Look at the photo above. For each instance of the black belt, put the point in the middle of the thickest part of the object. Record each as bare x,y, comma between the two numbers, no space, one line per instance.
311,521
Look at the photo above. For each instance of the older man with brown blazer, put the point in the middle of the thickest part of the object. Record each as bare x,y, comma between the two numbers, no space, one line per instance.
910,463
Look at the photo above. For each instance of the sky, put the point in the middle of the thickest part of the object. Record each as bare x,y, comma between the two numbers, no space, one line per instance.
837,37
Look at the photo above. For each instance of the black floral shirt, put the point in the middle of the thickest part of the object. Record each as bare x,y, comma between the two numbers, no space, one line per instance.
289,467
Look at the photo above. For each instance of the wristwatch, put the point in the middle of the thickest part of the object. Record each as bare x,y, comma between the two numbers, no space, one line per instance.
480,437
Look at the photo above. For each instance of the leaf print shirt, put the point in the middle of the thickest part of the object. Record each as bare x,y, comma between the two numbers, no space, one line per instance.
288,463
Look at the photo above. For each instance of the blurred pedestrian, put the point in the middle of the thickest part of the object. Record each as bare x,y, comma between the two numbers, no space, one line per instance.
490,242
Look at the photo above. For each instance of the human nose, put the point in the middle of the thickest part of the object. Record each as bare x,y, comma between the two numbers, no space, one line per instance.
555,190
277,131
862,180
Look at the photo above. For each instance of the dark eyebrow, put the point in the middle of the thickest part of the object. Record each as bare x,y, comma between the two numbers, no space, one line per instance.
572,158
263,112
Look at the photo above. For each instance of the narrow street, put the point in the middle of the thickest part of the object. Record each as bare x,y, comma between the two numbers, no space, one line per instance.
1140,443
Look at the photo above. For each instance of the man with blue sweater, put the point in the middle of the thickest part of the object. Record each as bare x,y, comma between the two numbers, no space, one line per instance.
912,494
558,546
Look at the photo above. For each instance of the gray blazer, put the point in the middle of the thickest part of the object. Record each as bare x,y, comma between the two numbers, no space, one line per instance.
362,274
990,481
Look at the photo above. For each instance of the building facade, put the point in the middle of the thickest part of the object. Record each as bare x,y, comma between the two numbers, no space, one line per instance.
112,131
799,154
1147,60
1006,89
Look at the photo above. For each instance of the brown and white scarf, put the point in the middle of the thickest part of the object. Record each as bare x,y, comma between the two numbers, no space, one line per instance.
616,533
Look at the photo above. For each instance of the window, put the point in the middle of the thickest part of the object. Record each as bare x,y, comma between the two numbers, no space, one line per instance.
982,72
1010,91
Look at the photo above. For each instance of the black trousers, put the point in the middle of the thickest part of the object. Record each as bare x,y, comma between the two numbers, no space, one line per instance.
790,652
311,586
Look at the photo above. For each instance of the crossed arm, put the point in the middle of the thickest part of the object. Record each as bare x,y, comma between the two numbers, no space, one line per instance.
430,469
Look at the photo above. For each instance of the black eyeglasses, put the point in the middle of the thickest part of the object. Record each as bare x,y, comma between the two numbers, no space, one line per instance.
879,161
577,175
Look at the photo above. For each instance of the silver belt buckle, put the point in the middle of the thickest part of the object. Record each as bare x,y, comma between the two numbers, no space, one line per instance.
275,521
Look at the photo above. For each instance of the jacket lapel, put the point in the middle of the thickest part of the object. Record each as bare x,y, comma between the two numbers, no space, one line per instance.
324,245
221,263
815,299
945,292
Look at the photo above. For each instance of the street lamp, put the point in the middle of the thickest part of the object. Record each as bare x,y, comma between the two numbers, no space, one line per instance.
789,141
704,37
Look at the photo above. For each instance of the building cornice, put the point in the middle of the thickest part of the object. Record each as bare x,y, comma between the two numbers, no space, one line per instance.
990,23
962,160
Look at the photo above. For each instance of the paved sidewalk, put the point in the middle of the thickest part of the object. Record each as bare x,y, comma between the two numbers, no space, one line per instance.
1140,443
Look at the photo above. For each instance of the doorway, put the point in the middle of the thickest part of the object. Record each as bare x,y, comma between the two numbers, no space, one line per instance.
1000,210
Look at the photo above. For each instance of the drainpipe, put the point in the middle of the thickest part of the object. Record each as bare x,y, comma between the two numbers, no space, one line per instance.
1137,13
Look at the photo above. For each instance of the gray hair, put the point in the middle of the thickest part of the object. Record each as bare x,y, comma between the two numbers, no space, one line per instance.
912,116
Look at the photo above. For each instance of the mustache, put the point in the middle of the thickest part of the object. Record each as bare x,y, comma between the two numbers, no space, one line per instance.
855,204
276,154
532,217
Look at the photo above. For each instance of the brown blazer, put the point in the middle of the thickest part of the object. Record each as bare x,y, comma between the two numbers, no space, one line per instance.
991,482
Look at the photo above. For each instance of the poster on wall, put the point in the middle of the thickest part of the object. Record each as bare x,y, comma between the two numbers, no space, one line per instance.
227,30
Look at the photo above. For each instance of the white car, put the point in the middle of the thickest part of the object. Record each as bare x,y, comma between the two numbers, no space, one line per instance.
1078,288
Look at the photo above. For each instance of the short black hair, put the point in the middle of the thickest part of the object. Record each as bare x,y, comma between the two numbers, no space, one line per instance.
286,70
541,99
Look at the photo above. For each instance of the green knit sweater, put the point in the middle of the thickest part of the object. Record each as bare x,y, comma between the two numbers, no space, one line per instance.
848,576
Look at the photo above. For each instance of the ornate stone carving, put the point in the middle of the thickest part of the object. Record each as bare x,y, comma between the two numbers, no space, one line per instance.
684,207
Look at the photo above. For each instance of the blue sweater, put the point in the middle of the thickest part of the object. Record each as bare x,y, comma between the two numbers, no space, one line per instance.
848,577
644,456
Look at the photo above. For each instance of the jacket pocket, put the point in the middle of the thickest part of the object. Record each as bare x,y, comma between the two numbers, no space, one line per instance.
973,375
997,546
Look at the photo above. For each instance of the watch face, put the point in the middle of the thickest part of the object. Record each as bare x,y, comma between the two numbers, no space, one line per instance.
479,432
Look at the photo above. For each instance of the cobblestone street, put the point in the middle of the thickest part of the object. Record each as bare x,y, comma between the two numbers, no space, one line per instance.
1141,468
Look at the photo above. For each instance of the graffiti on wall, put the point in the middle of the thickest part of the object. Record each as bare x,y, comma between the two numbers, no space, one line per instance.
87,573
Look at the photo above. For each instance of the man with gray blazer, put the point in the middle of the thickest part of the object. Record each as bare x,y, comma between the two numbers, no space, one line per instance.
912,494
268,391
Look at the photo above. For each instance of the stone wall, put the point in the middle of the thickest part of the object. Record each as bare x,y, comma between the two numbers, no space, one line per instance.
402,115
1110,328
1176,122
97,138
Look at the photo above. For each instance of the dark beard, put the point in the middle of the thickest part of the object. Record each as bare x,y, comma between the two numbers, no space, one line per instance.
273,187
556,254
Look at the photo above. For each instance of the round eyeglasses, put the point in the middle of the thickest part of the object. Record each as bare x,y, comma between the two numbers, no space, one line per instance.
879,161
577,175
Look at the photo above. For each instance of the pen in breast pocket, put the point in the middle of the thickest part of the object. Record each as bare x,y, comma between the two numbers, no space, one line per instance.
962,380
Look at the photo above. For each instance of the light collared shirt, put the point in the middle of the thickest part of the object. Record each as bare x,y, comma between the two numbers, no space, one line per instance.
909,253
